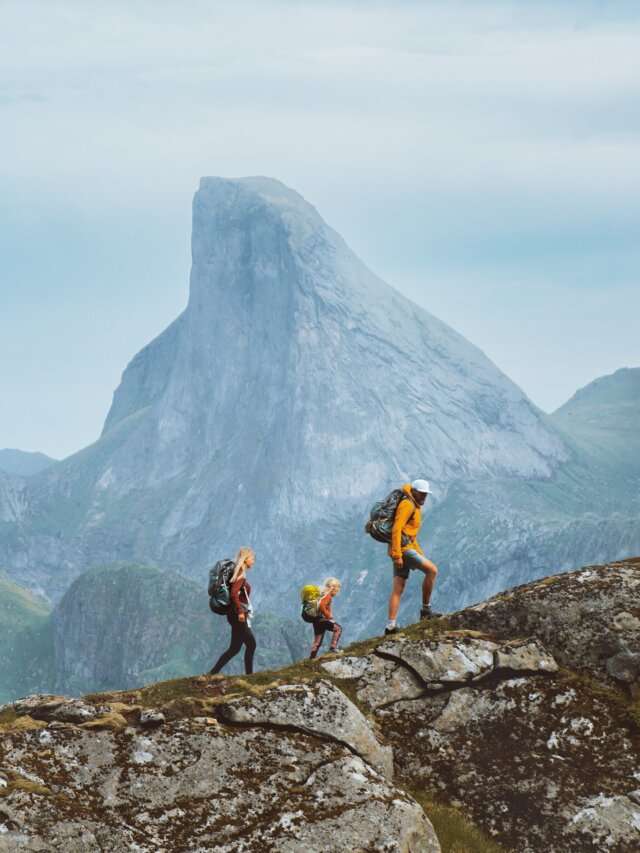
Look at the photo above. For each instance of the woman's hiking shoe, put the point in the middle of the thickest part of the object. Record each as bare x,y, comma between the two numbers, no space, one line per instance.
428,613
393,630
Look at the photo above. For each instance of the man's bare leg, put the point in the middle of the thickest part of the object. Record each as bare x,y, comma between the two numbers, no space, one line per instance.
430,573
394,599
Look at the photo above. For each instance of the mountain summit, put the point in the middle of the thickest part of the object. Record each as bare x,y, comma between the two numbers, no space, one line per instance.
289,342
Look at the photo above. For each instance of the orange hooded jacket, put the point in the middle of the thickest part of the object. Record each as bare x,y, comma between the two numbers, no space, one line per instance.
407,521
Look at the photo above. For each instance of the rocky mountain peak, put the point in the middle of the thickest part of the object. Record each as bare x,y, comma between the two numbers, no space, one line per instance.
294,389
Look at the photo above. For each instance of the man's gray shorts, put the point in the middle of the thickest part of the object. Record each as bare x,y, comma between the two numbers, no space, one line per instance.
411,560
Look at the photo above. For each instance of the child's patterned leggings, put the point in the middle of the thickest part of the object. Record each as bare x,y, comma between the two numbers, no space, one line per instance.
319,627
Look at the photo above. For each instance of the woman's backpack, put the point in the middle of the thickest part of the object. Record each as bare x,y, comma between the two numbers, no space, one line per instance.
219,582
310,596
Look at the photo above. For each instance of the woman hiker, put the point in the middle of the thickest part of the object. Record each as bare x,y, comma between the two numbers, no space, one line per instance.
324,621
239,614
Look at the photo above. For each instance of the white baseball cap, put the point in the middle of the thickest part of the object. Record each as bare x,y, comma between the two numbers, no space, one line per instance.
421,486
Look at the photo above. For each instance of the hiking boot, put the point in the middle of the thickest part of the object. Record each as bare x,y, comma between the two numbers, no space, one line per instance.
336,651
428,613
393,630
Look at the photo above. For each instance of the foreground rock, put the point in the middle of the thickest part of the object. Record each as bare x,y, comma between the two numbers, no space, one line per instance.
543,757
321,710
589,620
275,770
196,786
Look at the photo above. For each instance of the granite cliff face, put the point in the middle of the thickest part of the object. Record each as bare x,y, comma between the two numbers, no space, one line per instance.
531,733
295,387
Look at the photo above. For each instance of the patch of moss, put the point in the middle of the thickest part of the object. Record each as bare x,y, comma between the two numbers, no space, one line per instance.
456,833
7,716
112,721
24,724
609,695
16,782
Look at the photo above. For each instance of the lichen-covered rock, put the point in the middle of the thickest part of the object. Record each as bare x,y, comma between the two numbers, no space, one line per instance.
589,620
607,823
404,669
319,709
443,661
527,656
379,681
191,786
522,757
151,717
544,759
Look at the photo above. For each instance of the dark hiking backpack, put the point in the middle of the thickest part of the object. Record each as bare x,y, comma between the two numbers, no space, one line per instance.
219,583
382,515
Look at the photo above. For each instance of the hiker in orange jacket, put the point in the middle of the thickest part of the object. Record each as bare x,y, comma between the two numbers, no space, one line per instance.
406,553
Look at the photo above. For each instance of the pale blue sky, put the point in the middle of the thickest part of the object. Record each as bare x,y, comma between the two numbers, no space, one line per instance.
481,157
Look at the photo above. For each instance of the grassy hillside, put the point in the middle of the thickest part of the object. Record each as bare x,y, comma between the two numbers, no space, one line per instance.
26,650
124,626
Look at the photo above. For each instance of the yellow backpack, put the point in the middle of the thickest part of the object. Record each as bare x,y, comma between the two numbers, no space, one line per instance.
310,596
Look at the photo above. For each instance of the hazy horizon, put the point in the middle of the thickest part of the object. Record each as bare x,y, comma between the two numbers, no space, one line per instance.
483,161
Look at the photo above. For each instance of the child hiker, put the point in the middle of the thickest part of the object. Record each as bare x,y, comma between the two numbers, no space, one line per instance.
324,621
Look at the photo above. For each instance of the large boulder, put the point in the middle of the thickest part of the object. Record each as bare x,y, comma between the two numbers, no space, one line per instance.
276,779
319,709
589,619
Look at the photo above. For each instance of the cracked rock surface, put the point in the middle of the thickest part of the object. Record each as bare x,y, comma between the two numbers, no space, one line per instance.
544,759
320,709
589,619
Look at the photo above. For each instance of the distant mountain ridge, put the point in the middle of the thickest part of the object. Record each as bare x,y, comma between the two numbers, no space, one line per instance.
23,463
602,419
123,626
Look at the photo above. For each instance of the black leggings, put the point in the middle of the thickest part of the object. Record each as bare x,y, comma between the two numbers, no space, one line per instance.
241,634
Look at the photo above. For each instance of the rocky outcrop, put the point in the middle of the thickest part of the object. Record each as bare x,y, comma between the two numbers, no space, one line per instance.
535,744
279,770
497,727
589,619
322,710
